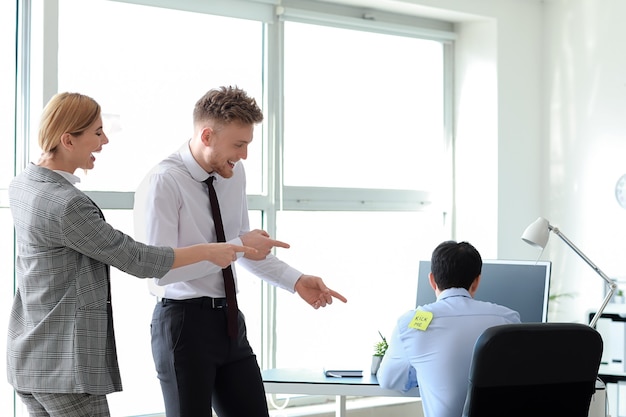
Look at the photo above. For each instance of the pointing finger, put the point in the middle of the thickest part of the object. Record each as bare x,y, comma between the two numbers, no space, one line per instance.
338,296
279,244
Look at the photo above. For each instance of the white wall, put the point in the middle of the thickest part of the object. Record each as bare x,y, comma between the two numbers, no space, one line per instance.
585,96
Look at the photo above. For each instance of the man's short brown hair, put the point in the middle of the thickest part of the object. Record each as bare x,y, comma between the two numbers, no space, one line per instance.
225,105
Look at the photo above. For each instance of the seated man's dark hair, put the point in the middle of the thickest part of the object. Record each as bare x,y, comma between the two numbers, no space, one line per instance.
455,265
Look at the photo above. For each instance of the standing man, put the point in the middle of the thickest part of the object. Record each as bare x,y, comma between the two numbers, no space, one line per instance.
432,345
201,362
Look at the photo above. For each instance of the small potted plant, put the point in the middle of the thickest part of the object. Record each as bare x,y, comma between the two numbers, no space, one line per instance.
379,351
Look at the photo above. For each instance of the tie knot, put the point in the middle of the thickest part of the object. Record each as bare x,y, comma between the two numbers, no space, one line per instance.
209,181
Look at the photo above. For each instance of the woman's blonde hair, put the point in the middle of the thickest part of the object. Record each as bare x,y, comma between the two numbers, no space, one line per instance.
66,113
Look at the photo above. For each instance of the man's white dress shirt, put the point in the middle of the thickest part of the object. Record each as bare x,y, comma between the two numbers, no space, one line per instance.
172,208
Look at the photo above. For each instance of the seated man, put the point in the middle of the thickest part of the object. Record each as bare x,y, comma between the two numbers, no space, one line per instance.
433,344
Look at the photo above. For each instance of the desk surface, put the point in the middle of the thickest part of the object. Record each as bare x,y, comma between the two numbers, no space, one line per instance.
315,382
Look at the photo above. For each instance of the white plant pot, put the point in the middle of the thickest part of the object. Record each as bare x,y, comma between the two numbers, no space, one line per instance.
376,363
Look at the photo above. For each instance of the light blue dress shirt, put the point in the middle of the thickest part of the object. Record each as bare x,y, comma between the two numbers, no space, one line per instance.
438,358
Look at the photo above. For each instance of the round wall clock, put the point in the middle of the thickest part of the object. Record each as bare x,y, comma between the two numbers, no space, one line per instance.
620,191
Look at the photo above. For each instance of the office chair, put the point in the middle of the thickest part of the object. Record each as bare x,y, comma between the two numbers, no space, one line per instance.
534,370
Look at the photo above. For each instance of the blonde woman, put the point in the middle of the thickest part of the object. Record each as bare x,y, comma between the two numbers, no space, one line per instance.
61,348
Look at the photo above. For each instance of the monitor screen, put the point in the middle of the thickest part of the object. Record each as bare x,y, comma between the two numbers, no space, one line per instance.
520,285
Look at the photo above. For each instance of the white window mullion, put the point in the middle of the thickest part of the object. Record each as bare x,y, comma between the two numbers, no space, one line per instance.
274,140
354,199
24,36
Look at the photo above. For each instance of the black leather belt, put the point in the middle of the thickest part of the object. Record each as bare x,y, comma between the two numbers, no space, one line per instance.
206,302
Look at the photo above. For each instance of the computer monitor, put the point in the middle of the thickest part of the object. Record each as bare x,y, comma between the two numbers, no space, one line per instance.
520,285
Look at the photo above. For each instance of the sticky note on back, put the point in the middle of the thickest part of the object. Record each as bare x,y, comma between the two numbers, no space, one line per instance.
421,320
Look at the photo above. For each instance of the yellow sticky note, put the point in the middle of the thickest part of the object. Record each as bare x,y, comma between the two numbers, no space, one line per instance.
421,320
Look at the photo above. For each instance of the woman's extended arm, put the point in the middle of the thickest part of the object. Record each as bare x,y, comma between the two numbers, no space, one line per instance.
221,254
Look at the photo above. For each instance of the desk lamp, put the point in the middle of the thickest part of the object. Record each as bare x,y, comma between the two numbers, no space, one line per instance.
537,234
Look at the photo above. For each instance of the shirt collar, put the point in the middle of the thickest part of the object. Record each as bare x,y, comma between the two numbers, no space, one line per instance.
454,292
197,172
71,178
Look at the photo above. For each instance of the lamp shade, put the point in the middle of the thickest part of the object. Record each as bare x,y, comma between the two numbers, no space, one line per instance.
537,233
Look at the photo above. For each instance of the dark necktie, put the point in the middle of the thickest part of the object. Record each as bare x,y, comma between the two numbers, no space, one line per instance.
229,280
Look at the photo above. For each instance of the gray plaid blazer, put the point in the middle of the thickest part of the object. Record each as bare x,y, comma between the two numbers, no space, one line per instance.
60,337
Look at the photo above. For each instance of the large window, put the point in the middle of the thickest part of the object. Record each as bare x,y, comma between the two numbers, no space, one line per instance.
351,166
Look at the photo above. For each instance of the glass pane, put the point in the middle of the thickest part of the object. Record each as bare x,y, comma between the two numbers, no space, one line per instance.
369,257
366,105
250,293
132,310
147,67
7,86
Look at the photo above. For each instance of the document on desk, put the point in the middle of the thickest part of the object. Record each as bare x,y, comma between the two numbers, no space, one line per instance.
343,373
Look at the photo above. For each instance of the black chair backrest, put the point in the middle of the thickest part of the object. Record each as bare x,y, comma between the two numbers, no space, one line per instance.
534,370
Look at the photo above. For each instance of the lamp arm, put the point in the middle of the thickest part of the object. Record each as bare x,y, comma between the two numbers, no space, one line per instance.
606,300
610,283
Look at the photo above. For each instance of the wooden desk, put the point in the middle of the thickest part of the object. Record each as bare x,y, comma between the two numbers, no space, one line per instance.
314,382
